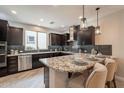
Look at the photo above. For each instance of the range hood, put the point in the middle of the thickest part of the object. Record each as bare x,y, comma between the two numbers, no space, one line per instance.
71,34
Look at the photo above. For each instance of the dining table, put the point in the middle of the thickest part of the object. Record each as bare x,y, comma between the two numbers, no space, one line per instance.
57,70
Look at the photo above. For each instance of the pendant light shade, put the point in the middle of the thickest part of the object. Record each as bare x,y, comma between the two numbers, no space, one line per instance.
83,21
97,30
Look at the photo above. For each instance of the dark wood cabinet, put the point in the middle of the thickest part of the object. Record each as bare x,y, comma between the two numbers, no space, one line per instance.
3,30
12,64
3,71
66,38
35,58
56,39
86,37
15,36
76,30
35,61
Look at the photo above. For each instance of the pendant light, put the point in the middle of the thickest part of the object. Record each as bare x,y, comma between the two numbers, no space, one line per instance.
83,21
97,30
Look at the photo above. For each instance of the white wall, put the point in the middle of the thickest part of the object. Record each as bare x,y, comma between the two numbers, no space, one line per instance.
112,27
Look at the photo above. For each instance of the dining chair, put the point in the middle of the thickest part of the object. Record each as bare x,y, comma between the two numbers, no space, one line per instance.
111,67
96,79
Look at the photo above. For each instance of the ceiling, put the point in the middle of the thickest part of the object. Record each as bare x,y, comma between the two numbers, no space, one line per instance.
66,15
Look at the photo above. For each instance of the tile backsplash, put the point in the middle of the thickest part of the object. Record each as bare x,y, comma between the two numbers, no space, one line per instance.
104,49
22,48
15,47
53,48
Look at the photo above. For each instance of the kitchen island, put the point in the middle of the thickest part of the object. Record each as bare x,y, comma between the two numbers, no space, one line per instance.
56,69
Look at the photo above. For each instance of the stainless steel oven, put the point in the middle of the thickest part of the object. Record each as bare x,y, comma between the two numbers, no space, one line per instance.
3,54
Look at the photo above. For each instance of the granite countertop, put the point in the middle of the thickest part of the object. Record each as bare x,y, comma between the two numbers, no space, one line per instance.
31,53
67,63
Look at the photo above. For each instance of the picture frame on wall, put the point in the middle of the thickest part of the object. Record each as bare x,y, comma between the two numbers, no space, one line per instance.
31,40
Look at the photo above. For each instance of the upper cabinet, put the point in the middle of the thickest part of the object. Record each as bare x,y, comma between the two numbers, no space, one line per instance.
66,38
15,36
86,37
3,30
56,39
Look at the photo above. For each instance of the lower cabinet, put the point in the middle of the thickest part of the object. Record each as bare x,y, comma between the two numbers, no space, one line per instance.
35,60
12,64
3,71
16,64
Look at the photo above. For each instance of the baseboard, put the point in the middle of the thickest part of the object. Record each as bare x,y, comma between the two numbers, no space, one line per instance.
119,78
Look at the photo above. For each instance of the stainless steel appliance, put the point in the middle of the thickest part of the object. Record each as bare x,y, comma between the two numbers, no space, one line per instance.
3,54
24,62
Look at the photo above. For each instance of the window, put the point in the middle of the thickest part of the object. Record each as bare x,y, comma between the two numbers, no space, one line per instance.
30,40
35,40
42,40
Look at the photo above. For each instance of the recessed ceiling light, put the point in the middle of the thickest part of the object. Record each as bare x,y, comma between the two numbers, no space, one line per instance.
80,17
41,19
13,11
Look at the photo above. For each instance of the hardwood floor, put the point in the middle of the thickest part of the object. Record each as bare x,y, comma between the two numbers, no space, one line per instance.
30,79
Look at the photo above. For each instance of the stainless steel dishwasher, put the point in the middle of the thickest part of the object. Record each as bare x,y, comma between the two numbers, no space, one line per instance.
24,62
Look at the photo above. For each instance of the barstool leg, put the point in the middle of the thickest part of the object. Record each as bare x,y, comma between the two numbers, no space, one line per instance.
108,84
114,82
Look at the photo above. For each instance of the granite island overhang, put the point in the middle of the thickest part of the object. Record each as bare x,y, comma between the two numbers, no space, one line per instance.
56,69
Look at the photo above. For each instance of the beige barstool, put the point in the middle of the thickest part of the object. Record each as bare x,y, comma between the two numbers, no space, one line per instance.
96,79
111,67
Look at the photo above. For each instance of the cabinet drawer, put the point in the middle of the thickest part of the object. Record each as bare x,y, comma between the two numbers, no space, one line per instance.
13,66
13,70
13,58
12,62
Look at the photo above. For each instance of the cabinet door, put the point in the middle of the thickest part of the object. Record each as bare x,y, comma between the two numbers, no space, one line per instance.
76,30
56,39
12,64
52,39
86,37
66,38
62,38
3,71
3,30
15,36
59,39
35,60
